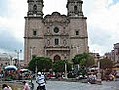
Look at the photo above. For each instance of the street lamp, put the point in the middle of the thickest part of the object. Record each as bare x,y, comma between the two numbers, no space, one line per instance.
31,57
11,62
65,66
18,52
98,74
77,52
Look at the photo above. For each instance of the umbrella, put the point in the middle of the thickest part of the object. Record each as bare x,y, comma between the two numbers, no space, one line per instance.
11,67
23,70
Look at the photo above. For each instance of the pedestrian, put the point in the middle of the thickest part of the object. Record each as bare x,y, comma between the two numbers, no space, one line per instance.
26,86
41,81
6,87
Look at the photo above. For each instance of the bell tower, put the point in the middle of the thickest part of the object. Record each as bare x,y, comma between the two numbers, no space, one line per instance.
35,8
74,8
33,36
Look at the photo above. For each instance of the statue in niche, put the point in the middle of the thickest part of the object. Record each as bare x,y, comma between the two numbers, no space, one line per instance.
48,42
64,42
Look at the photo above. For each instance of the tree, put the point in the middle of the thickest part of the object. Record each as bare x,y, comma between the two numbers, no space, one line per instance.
77,59
106,63
59,66
42,64
84,60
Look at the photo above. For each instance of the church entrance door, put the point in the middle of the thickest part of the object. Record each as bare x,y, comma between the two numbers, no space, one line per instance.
57,58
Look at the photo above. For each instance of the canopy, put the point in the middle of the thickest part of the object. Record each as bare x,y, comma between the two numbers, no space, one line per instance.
23,70
11,67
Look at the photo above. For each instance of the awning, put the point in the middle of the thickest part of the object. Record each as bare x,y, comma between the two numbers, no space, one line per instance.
24,70
11,67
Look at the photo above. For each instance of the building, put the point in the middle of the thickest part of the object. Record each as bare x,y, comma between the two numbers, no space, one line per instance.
114,54
56,36
4,59
7,59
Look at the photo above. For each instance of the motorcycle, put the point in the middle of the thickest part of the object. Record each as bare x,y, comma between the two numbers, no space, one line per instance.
41,88
92,80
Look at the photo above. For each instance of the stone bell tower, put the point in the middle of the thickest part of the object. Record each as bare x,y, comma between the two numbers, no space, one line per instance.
33,38
35,8
78,27
74,8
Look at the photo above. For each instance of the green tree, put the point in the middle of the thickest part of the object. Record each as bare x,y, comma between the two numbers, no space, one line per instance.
42,64
77,59
84,60
59,66
106,63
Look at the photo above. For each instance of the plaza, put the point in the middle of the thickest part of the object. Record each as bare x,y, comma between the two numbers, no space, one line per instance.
62,85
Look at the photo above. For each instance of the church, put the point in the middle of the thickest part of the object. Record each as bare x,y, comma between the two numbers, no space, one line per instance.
59,37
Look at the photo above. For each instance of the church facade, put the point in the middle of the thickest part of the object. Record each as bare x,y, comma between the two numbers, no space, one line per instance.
56,36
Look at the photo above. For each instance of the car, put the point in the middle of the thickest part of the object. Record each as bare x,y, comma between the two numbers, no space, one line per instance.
1,75
117,74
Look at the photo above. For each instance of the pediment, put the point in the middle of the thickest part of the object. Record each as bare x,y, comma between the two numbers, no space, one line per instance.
56,17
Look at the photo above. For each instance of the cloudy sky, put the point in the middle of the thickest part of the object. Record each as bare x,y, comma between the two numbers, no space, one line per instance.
102,20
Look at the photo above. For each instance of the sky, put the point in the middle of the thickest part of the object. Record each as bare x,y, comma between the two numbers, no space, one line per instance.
102,23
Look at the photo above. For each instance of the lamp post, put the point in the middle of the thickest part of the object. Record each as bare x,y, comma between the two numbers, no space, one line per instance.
36,68
65,67
31,57
77,52
18,52
11,61
98,74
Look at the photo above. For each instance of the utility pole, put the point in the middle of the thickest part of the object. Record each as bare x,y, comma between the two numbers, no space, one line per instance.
98,74
65,66
18,58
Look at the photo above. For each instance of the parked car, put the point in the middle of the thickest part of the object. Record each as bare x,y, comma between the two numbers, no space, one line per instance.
117,74
1,75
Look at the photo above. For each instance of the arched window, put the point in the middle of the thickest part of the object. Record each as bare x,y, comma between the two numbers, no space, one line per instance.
56,41
35,8
75,9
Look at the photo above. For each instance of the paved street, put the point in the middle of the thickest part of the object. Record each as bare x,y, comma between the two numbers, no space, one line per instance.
61,85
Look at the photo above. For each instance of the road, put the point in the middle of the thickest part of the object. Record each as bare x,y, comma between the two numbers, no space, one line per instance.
62,85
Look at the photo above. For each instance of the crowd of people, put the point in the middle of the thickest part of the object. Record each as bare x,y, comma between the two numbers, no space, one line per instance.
41,78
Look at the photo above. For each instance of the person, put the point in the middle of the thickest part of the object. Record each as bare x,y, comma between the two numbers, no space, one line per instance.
6,87
92,78
26,86
41,81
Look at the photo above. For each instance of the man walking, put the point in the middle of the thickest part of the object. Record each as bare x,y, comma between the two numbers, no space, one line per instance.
41,81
